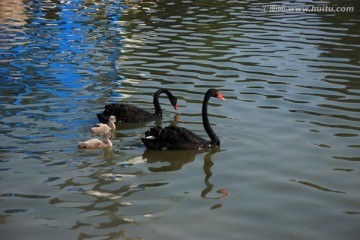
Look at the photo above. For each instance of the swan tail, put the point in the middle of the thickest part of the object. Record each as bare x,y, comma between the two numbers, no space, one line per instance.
102,117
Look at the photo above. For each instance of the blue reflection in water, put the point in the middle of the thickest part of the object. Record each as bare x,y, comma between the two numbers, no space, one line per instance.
59,53
54,64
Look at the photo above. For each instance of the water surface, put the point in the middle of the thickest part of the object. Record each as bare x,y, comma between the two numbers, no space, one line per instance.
288,166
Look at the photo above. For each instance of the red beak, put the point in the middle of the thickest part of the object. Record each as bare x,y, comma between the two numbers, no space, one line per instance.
219,96
176,107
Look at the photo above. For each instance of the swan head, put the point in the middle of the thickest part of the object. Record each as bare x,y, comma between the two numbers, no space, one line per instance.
112,118
173,101
215,93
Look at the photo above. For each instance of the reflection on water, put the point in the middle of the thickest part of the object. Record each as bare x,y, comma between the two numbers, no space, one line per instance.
175,159
318,187
12,18
289,130
208,163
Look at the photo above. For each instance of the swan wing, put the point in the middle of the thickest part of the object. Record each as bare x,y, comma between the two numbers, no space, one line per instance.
127,113
172,137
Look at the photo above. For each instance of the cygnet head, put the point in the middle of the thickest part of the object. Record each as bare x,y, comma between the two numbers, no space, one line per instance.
112,118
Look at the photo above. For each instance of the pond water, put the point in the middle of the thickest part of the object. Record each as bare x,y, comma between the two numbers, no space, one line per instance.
289,162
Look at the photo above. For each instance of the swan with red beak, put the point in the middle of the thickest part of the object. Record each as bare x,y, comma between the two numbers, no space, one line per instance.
174,137
131,113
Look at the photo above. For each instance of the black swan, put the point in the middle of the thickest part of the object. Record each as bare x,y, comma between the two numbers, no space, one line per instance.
174,137
130,113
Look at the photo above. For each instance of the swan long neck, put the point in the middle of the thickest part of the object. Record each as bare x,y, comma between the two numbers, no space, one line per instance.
112,125
214,138
158,110
107,139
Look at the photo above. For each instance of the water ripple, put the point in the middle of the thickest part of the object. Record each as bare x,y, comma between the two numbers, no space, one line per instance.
19,195
291,112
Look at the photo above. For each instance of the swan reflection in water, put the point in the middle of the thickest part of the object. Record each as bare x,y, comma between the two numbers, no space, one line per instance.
176,159
208,163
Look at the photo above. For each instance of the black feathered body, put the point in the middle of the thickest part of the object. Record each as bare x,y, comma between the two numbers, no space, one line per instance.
126,113
173,137
130,113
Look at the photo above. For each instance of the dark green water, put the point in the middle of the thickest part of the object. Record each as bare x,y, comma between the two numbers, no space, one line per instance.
288,166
